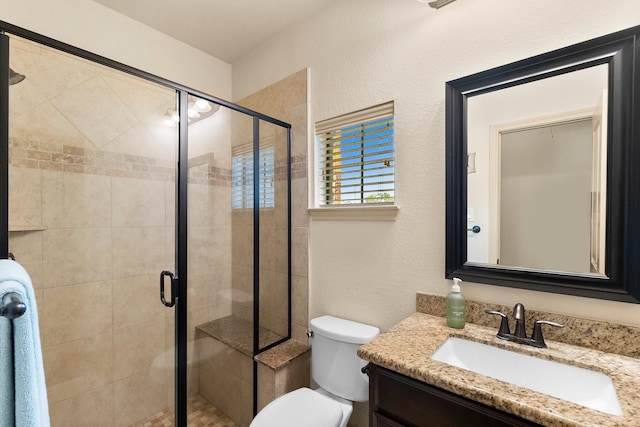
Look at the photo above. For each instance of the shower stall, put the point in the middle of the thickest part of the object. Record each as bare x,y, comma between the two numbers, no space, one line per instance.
155,223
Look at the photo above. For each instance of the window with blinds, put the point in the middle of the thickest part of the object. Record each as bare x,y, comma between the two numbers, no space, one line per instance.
355,156
242,184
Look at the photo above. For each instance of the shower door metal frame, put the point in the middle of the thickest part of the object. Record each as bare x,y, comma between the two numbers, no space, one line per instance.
256,255
4,145
182,180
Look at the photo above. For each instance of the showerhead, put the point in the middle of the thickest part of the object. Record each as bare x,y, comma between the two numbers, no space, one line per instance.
15,78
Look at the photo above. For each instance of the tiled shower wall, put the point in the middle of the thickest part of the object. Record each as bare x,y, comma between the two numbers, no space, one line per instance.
106,338
285,100
92,198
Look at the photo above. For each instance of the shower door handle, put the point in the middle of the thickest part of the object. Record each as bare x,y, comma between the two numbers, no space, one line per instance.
174,288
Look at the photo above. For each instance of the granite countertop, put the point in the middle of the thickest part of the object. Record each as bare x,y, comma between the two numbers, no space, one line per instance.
407,349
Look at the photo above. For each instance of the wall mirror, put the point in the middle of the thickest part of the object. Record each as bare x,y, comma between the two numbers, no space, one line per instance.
543,172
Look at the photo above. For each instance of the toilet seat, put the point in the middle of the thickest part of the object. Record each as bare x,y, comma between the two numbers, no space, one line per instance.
302,407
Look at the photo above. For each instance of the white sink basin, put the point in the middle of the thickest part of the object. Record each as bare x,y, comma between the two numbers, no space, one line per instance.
585,387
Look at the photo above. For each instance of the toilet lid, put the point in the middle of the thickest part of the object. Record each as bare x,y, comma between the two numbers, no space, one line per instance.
302,407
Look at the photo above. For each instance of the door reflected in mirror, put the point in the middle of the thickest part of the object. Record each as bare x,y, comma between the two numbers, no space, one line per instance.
538,189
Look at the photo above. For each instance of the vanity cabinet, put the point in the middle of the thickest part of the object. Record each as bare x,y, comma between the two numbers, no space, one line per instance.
399,401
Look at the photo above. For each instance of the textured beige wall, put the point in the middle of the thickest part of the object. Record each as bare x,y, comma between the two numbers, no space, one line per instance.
406,51
93,27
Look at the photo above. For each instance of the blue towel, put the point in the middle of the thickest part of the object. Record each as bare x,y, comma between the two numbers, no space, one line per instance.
24,394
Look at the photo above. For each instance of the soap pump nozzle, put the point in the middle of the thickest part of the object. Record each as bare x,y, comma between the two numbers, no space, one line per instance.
456,285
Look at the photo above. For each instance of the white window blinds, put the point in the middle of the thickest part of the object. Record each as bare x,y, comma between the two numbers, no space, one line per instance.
242,179
356,157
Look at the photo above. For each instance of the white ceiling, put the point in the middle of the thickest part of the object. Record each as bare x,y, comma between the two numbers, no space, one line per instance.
226,29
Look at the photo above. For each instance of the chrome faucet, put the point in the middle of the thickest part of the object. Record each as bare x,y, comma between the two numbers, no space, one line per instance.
520,335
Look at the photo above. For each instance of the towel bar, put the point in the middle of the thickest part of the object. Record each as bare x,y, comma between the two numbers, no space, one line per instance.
12,306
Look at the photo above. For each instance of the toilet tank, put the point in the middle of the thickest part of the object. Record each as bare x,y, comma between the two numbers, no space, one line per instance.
335,365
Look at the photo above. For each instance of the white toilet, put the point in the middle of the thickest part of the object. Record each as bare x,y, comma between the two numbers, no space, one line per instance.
336,368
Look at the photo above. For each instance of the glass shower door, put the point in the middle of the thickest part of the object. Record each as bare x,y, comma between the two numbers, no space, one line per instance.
220,265
92,166
238,262
98,164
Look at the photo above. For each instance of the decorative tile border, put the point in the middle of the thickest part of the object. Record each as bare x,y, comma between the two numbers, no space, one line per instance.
64,158
298,168
58,157
33,154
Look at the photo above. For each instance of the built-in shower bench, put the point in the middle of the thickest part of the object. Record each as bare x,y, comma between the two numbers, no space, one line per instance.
225,366
237,333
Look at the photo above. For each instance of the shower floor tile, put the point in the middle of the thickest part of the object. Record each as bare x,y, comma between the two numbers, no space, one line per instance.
201,413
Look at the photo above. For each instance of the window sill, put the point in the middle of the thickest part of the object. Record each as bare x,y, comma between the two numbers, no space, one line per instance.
355,213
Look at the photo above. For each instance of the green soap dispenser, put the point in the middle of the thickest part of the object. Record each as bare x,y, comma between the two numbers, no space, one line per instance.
456,306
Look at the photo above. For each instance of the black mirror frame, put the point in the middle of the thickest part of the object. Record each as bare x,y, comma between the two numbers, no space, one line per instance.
621,51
